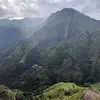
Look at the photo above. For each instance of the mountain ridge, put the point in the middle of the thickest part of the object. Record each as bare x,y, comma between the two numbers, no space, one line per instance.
66,47
68,25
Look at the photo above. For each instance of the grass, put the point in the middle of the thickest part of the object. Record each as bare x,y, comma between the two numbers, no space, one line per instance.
6,93
62,91
66,91
59,91
3,88
95,87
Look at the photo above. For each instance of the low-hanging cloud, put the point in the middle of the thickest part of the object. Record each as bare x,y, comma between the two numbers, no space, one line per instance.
43,8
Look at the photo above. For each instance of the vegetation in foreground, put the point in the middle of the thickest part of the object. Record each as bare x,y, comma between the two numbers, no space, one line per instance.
59,91
6,93
53,55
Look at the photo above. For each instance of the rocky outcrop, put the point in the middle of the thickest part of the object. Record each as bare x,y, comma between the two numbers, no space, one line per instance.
91,95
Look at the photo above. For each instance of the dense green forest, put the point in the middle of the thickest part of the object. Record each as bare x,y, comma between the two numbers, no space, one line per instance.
74,60
64,52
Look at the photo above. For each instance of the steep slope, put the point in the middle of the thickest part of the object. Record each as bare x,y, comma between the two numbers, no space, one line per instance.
66,47
64,24
60,26
27,25
14,31
9,36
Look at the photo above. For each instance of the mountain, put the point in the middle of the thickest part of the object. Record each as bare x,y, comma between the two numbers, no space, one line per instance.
62,25
30,25
65,24
13,31
66,48
9,36
27,25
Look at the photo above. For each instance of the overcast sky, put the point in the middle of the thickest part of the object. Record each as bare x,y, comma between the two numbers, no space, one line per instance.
41,8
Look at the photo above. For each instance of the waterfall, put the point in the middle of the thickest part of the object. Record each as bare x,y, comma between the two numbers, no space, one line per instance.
67,26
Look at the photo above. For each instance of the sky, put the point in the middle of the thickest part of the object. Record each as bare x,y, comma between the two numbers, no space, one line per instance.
42,8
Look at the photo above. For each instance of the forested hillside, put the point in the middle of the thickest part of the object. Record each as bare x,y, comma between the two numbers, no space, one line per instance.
65,49
14,31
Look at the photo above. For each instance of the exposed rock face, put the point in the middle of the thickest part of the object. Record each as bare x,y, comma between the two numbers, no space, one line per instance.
91,95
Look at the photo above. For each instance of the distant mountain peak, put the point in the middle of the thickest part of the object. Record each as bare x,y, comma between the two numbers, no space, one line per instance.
63,14
67,23
68,9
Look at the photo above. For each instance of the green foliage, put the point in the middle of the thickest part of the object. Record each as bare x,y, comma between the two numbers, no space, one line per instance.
72,58
66,91
6,93
59,91
62,91
95,87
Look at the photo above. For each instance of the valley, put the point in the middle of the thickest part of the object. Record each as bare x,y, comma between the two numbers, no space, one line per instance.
60,60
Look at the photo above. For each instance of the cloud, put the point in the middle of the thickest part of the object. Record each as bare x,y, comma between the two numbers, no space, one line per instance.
41,8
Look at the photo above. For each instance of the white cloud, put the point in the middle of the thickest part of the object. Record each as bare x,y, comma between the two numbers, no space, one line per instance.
30,8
